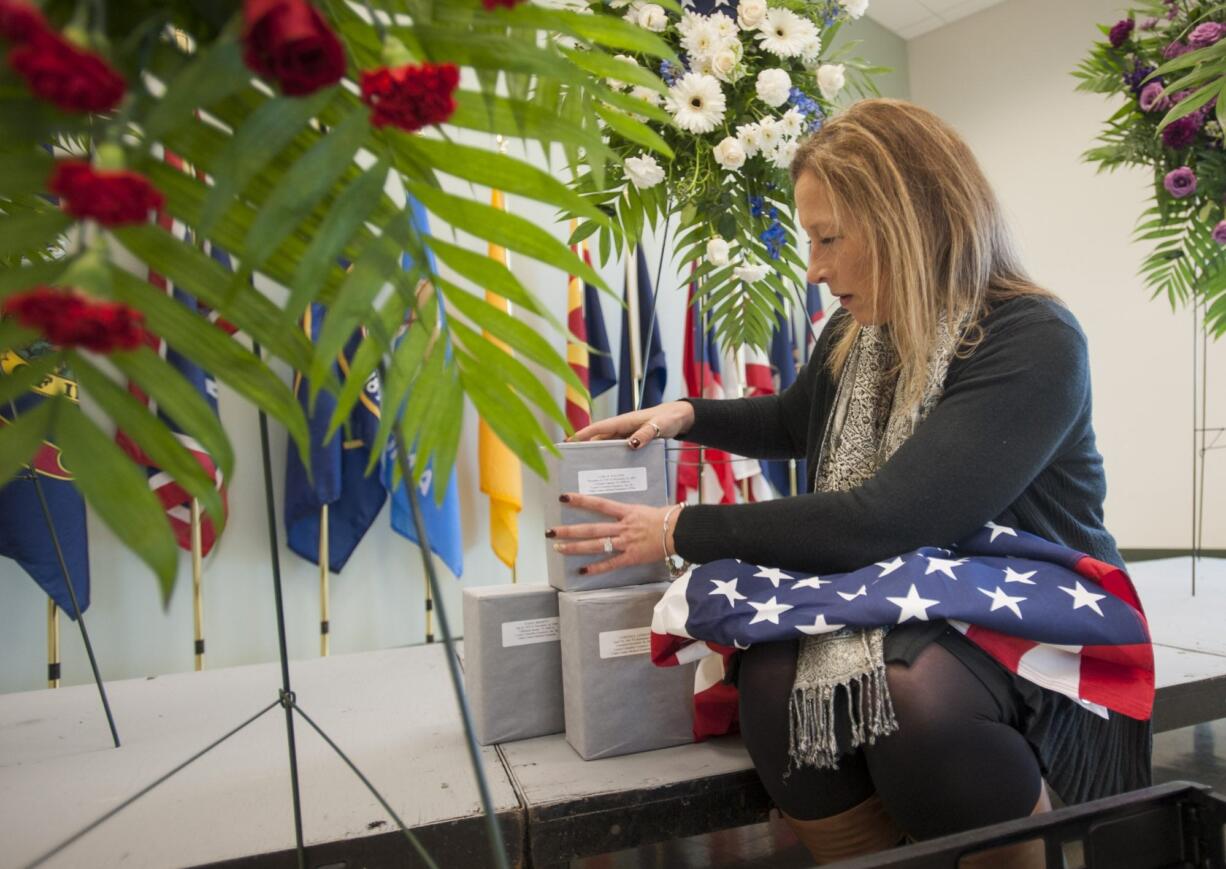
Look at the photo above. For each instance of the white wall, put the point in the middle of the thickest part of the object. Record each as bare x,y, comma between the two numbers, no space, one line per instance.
1002,78
377,602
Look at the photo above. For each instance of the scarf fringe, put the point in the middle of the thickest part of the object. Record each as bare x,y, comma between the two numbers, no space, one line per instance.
811,714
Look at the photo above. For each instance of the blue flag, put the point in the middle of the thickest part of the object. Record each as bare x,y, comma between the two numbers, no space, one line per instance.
783,369
654,368
601,373
814,312
338,466
442,521
24,535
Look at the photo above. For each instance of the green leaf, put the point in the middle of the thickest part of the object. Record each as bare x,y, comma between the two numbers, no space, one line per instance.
119,492
305,184
405,364
265,133
350,210
20,439
605,66
179,400
25,172
215,73
150,434
515,373
509,230
366,359
215,351
14,281
489,274
635,131
26,233
504,412
499,115
25,376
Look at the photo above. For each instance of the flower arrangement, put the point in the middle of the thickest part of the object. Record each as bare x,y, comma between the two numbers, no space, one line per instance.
1167,59
713,146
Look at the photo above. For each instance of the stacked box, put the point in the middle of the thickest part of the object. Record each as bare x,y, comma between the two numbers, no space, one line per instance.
611,470
617,701
513,661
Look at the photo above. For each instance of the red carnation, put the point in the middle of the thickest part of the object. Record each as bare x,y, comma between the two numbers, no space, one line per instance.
491,5
20,22
411,97
110,197
289,41
64,75
69,319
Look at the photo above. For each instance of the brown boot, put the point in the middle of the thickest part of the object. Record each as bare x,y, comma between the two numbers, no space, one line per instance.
862,829
1023,855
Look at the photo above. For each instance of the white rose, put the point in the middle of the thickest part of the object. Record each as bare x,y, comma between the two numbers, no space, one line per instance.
750,273
749,13
773,86
644,171
723,65
770,133
652,17
783,154
792,123
830,79
717,252
750,137
855,8
730,153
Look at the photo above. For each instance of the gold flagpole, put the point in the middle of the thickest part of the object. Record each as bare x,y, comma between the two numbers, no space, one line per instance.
197,578
325,627
53,644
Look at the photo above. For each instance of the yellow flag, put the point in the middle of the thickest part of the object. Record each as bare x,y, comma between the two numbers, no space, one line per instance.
501,475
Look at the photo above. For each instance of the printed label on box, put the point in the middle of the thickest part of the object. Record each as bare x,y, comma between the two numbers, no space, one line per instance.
632,641
530,631
610,480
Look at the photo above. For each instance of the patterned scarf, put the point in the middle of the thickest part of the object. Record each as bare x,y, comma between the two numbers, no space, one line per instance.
865,427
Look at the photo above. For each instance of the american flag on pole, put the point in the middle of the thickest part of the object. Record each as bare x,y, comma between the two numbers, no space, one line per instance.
1058,618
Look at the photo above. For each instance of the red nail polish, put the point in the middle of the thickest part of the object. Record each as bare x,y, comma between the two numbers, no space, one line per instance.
583,571
634,443
565,499
551,533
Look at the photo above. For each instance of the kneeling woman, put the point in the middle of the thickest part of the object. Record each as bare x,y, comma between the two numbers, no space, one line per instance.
948,392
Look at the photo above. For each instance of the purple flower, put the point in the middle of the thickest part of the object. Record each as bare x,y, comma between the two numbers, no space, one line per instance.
1204,35
1175,49
1181,133
1151,99
1139,73
1180,182
1121,31
1149,24
1219,232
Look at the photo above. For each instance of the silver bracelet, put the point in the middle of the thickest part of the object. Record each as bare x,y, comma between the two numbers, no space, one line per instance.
676,566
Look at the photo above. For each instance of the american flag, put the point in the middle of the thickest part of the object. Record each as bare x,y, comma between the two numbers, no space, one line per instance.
1056,617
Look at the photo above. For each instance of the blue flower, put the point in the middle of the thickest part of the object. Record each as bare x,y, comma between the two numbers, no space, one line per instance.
670,73
774,237
756,206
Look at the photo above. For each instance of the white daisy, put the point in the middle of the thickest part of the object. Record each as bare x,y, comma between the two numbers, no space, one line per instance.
643,171
810,49
855,8
697,103
724,26
750,137
784,33
750,273
792,122
784,152
770,134
702,39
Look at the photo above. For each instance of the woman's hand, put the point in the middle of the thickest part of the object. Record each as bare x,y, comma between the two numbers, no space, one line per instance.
634,531
641,426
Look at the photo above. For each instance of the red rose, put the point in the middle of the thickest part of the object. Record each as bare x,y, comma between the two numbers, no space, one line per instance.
69,319
110,197
59,72
289,41
410,97
20,22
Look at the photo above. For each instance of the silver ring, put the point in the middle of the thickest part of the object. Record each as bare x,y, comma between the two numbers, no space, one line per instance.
656,427
608,544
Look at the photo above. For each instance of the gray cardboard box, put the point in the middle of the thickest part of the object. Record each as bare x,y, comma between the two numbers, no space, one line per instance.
513,661
611,470
617,701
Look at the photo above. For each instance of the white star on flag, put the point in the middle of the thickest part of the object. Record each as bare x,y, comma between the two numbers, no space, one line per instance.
863,592
1082,596
819,626
912,606
1001,599
998,530
769,611
944,565
1012,575
774,574
738,644
727,589
888,567
810,582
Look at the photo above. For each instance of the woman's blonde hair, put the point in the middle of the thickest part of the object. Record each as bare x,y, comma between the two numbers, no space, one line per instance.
932,230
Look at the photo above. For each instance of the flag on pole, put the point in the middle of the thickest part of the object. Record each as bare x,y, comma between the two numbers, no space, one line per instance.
751,485
814,313
499,468
601,372
585,322
651,365
177,501
1058,618
24,536
442,521
338,466
701,370
783,373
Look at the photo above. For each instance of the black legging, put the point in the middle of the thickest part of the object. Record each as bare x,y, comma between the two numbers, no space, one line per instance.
956,762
